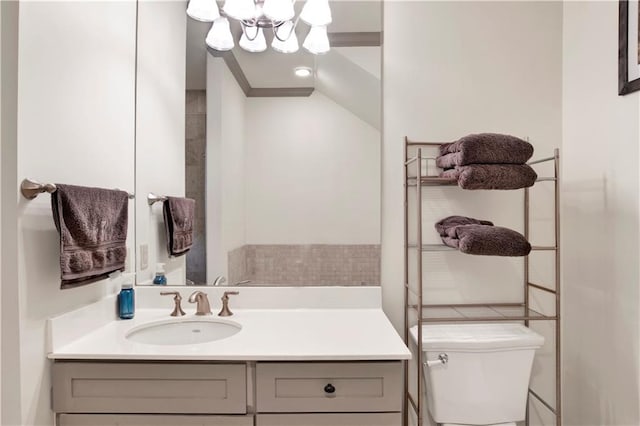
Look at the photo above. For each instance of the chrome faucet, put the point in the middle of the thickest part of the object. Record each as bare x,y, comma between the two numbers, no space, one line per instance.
202,307
177,298
219,280
225,311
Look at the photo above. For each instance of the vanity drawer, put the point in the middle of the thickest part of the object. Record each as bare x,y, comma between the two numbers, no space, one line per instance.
151,420
92,387
329,387
375,419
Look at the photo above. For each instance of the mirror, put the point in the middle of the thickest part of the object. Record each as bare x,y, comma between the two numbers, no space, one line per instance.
284,169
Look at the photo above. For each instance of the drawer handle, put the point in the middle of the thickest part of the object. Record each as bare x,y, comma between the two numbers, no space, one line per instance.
329,388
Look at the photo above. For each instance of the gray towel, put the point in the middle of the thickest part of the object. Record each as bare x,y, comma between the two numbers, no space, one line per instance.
178,221
92,223
446,226
484,148
492,176
487,240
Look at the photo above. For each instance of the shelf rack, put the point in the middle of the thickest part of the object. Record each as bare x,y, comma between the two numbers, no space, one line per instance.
472,312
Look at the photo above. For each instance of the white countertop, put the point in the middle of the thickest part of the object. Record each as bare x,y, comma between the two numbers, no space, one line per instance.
345,334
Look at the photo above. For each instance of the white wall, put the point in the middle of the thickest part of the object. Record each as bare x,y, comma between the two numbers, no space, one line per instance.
467,75
286,171
233,140
225,186
160,129
10,330
75,125
313,173
450,69
1,84
600,226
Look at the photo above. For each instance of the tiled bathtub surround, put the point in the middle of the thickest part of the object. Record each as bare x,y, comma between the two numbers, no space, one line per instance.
306,265
237,264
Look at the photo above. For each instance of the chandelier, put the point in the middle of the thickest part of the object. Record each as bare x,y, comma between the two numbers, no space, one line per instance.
256,16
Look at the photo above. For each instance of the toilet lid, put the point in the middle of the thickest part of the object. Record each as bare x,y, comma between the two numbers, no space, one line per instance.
497,424
477,336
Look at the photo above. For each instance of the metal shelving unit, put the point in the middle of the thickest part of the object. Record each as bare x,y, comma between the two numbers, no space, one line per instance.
485,312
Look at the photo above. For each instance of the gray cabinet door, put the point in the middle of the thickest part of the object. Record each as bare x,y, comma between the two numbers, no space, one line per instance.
367,419
151,420
333,387
96,387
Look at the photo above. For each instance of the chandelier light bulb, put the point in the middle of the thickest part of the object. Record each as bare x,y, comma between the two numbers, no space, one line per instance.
253,40
278,16
316,13
240,9
317,41
278,10
203,10
285,39
219,36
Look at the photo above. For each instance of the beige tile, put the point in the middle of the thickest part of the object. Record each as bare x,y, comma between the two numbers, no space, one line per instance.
195,128
195,145
196,102
312,264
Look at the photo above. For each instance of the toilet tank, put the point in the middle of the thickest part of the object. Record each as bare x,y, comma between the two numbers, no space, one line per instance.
486,378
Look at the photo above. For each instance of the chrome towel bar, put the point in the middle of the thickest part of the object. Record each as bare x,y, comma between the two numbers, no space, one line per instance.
30,189
153,198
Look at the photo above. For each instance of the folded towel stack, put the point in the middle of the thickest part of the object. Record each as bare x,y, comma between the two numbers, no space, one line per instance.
480,237
487,161
92,223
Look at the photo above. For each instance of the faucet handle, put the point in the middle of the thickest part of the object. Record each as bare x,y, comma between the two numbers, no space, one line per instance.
225,311
177,298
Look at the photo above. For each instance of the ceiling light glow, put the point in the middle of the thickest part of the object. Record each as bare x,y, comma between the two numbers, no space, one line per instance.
302,72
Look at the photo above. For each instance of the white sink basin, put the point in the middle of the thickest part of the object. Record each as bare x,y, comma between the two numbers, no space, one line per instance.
183,332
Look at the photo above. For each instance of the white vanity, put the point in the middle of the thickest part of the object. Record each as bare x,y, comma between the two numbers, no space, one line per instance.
302,357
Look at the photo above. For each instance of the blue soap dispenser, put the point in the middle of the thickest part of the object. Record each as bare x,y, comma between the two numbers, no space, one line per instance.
160,278
126,298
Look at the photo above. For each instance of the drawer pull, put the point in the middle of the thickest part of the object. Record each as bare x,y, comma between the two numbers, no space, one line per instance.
329,388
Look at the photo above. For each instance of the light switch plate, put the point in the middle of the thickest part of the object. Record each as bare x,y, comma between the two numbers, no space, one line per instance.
144,256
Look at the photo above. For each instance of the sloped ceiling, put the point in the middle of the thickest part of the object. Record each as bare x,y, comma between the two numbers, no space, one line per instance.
349,84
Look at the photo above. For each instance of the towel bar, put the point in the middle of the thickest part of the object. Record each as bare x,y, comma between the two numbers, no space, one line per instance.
153,198
30,189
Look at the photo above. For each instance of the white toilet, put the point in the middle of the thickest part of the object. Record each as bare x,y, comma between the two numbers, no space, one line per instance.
485,378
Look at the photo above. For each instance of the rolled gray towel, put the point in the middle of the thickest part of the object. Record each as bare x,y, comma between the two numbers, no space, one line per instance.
488,240
492,176
484,148
446,226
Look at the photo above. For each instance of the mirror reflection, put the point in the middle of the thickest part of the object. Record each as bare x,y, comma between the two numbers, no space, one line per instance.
280,151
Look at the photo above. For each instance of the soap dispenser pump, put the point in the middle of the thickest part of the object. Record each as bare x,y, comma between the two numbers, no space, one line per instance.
160,278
